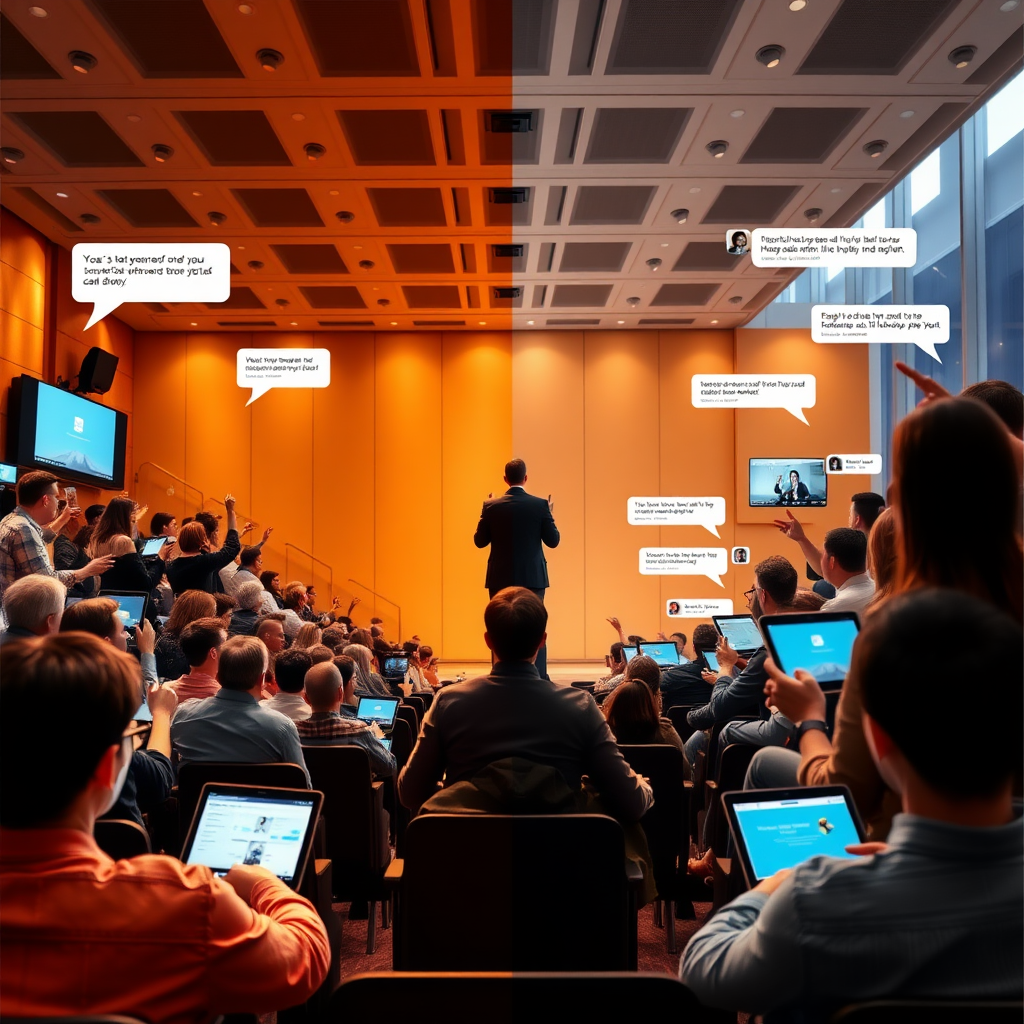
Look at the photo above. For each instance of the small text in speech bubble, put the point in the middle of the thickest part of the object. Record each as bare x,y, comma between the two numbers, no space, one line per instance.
701,608
706,512
864,465
710,562
109,273
793,392
923,326
847,247
264,369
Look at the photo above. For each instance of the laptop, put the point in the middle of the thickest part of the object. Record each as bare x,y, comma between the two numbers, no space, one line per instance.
382,710
741,632
385,742
395,665
131,605
629,653
818,642
774,829
254,825
665,654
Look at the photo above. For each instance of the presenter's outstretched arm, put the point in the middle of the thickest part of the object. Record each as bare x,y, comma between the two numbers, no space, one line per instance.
549,532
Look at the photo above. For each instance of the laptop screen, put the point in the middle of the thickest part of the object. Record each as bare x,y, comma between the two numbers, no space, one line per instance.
252,829
740,630
396,665
385,742
381,710
629,653
665,654
822,646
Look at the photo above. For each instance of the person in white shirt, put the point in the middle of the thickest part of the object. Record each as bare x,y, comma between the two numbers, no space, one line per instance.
249,568
290,668
844,565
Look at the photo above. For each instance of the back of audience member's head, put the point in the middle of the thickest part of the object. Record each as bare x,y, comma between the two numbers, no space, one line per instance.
645,668
250,556
679,639
361,637
632,711
848,547
634,639
913,708
226,604
424,652
806,601
882,556
975,549
324,686
198,638
35,603
290,668
705,635
515,620
249,596
211,524
96,690
159,521
360,656
334,637
116,521
83,538
375,632
241,663
309,634
319,653
293,594
192,538
345,665
868,505
189,606
267,578
776,576
376,621
515,472
95,615
92,514
1003,399
615,652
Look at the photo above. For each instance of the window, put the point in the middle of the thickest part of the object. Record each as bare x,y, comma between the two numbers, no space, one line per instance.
1004,115
925,182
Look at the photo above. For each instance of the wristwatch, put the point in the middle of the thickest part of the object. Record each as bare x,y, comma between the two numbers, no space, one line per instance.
810,725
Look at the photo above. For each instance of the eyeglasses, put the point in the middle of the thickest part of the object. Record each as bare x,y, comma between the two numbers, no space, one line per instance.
749,594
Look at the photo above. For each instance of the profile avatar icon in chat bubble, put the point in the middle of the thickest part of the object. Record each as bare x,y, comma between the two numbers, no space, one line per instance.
740,556
737,242
835,464
673,608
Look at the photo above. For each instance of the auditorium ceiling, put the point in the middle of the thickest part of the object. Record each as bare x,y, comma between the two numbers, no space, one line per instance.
411,163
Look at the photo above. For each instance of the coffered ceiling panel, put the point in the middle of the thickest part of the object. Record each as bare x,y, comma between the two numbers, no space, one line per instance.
235,138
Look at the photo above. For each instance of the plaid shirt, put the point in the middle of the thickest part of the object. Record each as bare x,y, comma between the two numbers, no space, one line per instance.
23,550
328,725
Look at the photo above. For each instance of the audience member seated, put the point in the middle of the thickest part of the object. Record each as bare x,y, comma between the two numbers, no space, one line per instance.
225,607
201,946
294,598
232,725
844,565
23,538
882,557
309,635
33,606
319,653
327,692
514,713
272,585
99,616
936,913
428,666
615,662
361,636
163,524
367,681
685,684
188,607
806,601
415,677
270,629
290,668
93,514
244,619
250,565
198,564
633,715
335,637
646,670
200,643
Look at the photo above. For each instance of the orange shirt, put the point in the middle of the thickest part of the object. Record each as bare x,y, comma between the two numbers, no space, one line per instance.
149,937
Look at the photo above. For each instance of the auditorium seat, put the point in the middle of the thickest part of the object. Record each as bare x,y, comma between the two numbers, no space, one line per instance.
915,1011
121,839
729,775
677,716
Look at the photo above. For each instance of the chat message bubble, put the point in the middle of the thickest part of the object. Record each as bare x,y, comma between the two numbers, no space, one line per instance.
109,273
710,562
846,247
864,465
700,608
793,392
706,512
923,326
264,369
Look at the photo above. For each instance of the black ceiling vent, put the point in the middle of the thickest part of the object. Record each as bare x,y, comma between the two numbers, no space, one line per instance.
508,293
507,196
511,121
507,252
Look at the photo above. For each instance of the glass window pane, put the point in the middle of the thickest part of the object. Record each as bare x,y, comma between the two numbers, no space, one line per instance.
1004,273
1004,115
925,182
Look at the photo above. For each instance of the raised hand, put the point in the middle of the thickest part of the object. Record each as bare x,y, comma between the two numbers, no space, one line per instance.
791,527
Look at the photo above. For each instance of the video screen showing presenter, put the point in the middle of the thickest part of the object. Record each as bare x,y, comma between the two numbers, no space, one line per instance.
798,483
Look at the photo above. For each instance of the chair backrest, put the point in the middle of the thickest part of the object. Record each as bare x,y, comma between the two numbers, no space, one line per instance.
415,701
504,998
427,698
410,715
547,892
913,1011
677,716
194,775
403,739
120,838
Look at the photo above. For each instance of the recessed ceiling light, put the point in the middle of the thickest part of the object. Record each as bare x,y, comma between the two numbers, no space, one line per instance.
270,60
135,118
334,192
382,302
298,117
193,324
680,216
714,321
394,323
654,263
797,5
876,149
62,195
633,301
962,56
162,153
197,193
834,191
246,9
813,215
620,321
664,245
345,216
82,62
482,323
736,113
216,218
314,150
367,264
1009,5
357,247
530,323
294,323
240,247
694,190
770,56
38,12
906,113
717,148
257,265
11,155
89,218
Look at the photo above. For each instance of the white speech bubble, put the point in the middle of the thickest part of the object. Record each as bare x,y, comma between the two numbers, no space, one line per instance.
793,392
701,608
833,247
706,512
710,562
863,465
923,326
264,369
109,273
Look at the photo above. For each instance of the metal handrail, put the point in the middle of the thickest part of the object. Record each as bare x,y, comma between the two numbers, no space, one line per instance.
166,472
382,598
312,558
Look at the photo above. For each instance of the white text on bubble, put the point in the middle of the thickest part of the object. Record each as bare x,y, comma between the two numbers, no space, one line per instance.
793,392
710,562
923,326
264,369
833,247
109,273
864,465
700,608
706,512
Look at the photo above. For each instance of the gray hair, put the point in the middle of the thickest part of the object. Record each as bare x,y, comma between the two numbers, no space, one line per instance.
28,602
249,595
361,656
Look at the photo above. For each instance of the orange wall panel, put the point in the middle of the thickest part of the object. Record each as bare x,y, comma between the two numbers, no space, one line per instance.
23,247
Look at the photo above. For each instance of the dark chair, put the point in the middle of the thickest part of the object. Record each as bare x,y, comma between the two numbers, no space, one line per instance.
121,839
666,825
427,698
411,716
356,827
518,999
706,767
732,770
514,892
914,1011
402,741
677,716
193,776
415,701
585,684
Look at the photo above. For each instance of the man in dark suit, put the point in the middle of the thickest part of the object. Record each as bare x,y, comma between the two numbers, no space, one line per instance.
515,525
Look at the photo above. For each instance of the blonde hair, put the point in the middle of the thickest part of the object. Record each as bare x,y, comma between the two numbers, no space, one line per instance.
309,635
361,656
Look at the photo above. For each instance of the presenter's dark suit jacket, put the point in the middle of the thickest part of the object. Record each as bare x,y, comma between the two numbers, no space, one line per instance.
515,525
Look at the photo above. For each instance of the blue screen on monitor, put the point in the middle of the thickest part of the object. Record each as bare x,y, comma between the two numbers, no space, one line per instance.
808,488
629,653
129,607
8,474
74,434
665,654
783,833
742,633
821,648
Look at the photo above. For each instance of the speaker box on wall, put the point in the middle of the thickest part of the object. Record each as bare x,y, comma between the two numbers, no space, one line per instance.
97,373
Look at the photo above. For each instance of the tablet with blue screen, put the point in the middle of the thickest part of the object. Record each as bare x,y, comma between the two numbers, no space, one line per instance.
818,642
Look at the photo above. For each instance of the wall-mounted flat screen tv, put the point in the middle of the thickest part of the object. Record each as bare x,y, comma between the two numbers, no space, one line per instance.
793,482
72,437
